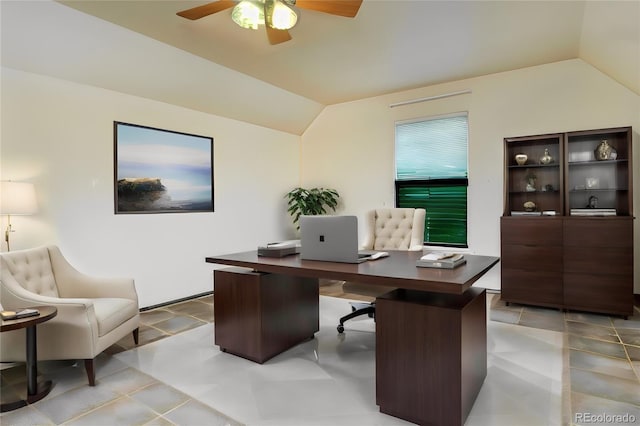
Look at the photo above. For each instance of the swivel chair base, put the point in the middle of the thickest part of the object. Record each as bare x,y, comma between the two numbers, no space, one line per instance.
358,309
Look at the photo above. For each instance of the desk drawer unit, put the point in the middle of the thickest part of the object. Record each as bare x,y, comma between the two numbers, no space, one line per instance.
431,354
259,315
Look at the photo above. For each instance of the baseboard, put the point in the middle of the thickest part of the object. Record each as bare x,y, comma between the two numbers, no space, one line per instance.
171,302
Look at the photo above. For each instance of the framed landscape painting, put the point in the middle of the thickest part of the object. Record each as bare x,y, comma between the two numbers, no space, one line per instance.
161,171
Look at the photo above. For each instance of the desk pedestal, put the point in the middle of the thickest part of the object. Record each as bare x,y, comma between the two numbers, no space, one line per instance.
431,354
259,315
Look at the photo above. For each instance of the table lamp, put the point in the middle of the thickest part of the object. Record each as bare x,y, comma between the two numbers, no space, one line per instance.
16,198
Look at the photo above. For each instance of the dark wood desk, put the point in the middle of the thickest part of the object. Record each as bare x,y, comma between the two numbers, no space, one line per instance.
35,391
398,270
431,346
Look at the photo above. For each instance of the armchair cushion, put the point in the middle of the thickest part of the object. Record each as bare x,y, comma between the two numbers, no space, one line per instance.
113,312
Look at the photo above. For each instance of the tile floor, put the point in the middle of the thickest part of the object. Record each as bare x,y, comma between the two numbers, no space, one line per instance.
544,368
604,358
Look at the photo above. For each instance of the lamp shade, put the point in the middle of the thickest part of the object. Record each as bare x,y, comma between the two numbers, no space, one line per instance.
17,198
282,17
249,14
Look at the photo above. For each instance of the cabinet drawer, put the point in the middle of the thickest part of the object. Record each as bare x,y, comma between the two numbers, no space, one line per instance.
599,260
544,231
531,258
599,293
535,288
598,232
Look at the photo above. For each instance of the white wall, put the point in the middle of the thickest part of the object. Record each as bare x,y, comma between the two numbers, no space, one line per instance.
59,135
350,146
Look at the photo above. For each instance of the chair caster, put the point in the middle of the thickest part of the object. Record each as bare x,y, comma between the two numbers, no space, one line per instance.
340,329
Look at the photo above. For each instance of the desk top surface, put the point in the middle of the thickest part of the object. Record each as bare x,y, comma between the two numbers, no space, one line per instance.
398,270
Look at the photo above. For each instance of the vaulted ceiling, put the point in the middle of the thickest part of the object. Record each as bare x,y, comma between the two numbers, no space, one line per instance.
141,47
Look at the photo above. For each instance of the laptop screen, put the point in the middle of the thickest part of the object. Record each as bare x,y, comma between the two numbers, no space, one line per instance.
329,238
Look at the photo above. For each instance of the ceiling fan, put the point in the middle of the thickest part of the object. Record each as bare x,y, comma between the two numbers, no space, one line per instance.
277,16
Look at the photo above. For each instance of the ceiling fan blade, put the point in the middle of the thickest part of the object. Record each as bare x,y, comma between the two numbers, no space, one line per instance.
348,8
277,36
206,9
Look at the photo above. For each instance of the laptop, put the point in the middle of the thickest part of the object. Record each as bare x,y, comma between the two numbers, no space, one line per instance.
333,239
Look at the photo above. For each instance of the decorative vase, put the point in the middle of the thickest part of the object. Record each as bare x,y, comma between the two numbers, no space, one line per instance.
546,158
521,159
530,178
603,151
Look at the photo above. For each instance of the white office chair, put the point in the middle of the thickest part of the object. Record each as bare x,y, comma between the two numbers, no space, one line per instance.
387,229
93,313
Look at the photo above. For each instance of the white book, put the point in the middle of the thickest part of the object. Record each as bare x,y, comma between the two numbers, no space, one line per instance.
592,212
442,256
278,246
441,260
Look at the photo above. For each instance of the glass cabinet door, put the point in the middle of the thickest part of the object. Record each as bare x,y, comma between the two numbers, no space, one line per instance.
598,178
533,178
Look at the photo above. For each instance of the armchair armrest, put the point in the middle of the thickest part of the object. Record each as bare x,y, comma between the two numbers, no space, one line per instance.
370,226
72,310
72,283
417,234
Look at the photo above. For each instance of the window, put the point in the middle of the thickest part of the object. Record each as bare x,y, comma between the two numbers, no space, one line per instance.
431,173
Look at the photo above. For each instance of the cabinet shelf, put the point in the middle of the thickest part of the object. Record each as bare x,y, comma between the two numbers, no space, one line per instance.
594,162
533,166
582,191
535,193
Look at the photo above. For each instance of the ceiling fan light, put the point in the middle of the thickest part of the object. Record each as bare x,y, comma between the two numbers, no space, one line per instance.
248,14
282,16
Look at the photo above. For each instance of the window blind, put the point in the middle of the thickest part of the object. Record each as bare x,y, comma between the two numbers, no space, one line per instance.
432,149
431,173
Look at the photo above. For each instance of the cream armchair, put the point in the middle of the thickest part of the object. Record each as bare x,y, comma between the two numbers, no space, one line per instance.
387,229
93,313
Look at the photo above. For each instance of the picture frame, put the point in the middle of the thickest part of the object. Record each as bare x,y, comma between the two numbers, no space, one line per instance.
161,171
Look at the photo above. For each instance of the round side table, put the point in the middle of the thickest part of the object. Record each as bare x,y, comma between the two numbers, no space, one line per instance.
35,391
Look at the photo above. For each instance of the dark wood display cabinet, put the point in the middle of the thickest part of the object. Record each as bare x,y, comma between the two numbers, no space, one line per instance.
567,225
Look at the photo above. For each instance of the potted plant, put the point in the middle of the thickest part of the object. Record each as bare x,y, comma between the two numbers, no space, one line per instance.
310,202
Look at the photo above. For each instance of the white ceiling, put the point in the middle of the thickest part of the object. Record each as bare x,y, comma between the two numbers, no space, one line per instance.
391,45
